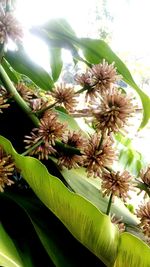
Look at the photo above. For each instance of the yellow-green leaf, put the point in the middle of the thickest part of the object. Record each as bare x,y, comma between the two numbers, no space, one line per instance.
86,223
132,252
9,256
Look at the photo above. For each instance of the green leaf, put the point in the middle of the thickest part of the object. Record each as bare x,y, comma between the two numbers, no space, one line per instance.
129,158
20,228
59,27
132,252
1,51
56,62
56,239
66,118
90,189
42,223
86,223
9,256
20,61
55,254
127,142
9,71
96,50
57,33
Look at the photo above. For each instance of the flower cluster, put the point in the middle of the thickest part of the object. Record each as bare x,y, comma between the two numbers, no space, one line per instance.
113,112
26,93
42,139
70,159
65,96
145,176
3,99
104,76
9,27
118,184
98,79
111,108
144,214
99,154
6,169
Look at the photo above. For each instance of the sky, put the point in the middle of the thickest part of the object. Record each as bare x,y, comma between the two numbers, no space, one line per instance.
131,25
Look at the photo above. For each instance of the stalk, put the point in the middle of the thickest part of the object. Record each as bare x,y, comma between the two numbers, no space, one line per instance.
1,52
40,112
143,187
12,90
109,204
32,148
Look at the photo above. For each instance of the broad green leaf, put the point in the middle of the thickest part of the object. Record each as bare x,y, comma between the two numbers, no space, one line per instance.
66,118
129,158
90,189
132,252
96,50
86,223
57,241
59,26
57,33
72,124
9,256
20,61
127,142
42,223
55,254
19,228
55,62
9,71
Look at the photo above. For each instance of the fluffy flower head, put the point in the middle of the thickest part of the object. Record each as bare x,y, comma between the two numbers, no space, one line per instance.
6,170
118,184
99,154
71,159
144,214
145,176
9,27
65,96
104,76
113,112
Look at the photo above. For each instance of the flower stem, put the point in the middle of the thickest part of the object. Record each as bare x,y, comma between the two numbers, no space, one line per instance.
40,112
81,90
1,52
143,187
80,115
109,204
12,90
67,149
32,148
